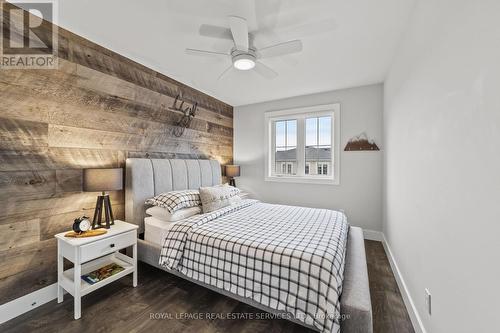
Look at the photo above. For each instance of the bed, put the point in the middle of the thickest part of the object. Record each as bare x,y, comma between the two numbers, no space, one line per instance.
146,178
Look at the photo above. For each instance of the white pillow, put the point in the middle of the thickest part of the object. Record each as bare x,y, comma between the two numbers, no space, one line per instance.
164,215
219,196
175,200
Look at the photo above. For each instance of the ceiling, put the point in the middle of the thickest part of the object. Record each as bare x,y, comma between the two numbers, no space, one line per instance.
345,43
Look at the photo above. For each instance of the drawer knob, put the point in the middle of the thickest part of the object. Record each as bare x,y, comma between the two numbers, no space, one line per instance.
112,245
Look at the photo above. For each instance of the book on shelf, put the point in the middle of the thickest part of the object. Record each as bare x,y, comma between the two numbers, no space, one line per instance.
102,273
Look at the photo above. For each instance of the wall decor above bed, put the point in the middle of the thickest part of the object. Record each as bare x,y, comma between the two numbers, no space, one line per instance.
188,114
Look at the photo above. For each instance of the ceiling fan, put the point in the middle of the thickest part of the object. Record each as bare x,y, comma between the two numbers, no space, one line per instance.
243,54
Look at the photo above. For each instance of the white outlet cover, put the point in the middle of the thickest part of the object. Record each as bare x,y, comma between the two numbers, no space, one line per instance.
428,301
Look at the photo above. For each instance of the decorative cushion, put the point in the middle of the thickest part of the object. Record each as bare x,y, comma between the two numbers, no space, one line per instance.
176,200
164,215
217,197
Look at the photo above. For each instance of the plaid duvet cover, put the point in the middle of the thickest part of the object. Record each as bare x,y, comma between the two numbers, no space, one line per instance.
284,257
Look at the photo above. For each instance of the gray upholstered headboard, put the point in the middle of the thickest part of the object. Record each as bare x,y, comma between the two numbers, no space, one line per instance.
146,178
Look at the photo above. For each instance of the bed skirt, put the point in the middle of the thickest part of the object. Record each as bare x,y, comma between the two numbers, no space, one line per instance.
355,303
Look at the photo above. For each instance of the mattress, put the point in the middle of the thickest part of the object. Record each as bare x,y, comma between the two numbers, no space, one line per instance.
286,258
156,230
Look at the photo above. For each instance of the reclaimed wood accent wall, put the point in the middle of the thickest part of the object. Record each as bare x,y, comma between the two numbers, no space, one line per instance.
96,110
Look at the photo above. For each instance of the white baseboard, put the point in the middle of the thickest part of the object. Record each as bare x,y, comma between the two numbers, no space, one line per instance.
410,306
28,302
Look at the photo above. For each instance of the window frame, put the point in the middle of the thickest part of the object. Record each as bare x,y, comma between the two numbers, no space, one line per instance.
270,117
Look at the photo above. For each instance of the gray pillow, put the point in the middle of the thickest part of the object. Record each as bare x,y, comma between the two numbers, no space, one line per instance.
217,197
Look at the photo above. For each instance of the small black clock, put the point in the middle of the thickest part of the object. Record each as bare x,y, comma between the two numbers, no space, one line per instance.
82,224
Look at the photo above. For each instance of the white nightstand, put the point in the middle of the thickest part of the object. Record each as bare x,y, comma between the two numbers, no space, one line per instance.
91,253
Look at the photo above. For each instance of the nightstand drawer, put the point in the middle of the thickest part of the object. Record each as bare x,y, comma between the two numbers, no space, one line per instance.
108,245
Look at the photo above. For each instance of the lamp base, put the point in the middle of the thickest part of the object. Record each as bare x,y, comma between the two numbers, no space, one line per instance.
232,182
103,203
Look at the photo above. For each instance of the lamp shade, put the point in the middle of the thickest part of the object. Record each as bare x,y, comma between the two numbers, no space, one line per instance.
232,171
95,180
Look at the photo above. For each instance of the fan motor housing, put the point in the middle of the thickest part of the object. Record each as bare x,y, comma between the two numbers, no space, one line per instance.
243,60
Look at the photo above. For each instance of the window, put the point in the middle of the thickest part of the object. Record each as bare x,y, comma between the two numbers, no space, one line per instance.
319,142
303,144
285,148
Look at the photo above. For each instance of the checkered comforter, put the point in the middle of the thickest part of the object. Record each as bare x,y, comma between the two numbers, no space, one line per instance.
284,257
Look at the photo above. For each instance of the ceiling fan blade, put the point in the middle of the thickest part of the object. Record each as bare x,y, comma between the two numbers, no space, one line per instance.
239,30
280,49
205,53
265,71
225,72
214,31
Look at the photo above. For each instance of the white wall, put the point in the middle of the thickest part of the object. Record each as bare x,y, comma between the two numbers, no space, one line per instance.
442,163
360,189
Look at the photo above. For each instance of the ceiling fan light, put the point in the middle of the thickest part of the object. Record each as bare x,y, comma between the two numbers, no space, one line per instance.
244,62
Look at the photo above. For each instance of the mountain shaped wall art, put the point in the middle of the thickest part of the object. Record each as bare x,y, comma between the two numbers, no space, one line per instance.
361,143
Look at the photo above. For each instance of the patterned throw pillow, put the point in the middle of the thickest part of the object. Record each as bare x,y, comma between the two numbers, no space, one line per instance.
219,196
176,200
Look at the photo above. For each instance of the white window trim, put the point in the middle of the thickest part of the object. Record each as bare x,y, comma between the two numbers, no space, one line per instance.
301,177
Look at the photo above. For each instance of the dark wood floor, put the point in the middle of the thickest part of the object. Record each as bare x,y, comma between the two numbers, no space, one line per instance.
121,308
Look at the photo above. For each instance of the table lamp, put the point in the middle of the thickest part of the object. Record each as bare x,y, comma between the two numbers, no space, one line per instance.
102,180
231,172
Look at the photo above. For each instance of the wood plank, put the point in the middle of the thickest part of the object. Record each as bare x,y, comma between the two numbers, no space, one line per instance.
22,134
40,275
73,137
24,185
18,104
19,234
27,268
74,158
32,158
14,209
69,180
23,258
60,158
98,119
152,154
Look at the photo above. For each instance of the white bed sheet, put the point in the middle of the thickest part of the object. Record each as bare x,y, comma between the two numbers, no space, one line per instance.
155,230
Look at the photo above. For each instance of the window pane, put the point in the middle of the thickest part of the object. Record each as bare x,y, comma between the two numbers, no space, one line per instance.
325,131
286,147
280,133
311,131
318,150
291,133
